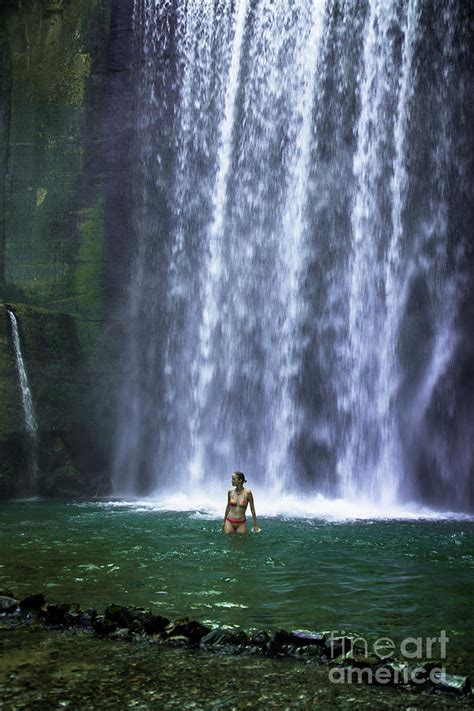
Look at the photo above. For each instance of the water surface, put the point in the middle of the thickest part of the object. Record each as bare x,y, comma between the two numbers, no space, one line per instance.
377,578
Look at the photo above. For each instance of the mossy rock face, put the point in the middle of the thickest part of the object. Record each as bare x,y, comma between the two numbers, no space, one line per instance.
53,75
53,229
13,465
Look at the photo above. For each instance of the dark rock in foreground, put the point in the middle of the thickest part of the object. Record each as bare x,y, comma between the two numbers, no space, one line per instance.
8,604
340,654
32,602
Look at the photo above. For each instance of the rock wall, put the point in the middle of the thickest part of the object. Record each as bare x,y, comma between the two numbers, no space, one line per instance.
60,61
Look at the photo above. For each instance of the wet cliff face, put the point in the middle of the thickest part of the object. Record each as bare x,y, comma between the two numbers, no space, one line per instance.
63,66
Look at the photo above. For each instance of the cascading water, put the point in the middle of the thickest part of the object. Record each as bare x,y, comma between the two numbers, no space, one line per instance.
31,425
292,223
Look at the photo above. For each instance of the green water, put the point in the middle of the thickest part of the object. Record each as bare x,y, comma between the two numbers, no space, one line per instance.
382,578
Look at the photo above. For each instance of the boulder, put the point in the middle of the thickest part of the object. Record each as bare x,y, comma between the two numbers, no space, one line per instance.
32,603
231,637
304,638
120,615
54,613
8,604
452,683
191,629
155,624
104,626
281,643
136,618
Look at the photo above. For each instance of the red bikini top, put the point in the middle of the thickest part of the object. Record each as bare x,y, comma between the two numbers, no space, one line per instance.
243,503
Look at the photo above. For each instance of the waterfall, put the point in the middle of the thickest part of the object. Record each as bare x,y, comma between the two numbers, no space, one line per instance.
296,284
377,275
31,425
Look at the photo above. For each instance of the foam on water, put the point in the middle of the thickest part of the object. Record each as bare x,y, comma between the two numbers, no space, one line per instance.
210,504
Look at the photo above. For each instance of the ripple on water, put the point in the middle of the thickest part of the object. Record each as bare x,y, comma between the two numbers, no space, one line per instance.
415,576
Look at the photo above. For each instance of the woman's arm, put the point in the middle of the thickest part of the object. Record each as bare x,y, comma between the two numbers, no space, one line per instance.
227,508
254,515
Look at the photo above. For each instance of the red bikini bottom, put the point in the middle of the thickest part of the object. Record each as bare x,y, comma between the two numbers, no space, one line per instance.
234,520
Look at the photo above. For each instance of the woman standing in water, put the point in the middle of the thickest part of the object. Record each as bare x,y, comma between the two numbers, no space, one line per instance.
238,499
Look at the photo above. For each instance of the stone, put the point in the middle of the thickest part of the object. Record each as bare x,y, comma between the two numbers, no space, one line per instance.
127,617
452,683
104,626
8,604
121,633
72,615
281,643
259,639
360,660
119,614
137,627
178,640
312,651
87,617
225,637
337,646
32,602
155,624
303,638
54,613
191,629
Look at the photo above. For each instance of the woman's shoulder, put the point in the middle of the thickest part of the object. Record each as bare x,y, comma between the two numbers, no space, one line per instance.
248,492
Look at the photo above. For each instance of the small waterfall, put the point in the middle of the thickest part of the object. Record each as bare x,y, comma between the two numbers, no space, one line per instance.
294,301
31,425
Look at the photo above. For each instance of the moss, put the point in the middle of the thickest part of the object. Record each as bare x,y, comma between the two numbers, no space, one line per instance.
41,196
88,270
50,46
49,63
52,60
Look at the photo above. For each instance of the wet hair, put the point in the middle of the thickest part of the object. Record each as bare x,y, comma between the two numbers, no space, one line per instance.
241,476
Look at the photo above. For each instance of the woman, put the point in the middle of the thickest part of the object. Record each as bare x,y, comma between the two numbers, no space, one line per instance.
238,499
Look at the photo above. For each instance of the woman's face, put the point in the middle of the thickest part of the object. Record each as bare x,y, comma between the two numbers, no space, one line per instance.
235,480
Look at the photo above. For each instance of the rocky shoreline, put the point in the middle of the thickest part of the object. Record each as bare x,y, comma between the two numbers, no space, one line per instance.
343,656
